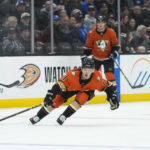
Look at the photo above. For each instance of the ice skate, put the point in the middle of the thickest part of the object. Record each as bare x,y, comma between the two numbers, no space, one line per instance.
61,119
34,119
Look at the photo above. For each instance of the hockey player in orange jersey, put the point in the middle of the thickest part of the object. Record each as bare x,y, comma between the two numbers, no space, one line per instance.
81,82
103,45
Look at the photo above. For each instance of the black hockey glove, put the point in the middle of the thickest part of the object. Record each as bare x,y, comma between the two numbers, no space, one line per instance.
112,97
113,54
48,98
51,94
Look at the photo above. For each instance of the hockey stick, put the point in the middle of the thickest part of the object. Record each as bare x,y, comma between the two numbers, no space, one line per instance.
20,112
10,85
133,87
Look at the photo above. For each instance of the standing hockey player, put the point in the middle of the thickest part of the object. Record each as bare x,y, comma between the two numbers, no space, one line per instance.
103,45
80,82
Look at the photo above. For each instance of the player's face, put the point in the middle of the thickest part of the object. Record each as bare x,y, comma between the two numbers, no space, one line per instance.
86,73
100,26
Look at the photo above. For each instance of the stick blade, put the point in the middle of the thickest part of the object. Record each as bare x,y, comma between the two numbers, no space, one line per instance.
11,85
138,86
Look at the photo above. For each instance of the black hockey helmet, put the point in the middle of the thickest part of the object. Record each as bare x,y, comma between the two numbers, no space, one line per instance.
88,63
101,19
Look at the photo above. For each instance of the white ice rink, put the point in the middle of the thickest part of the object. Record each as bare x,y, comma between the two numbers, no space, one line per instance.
93,127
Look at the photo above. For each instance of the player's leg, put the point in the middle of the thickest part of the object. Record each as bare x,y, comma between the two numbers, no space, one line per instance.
80,99
109,73
97,64
50,105
47,108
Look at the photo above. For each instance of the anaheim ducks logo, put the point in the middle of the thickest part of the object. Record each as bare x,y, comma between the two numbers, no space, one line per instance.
102,45
31,75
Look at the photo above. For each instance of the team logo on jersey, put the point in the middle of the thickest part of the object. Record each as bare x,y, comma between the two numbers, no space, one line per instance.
102,44
31,75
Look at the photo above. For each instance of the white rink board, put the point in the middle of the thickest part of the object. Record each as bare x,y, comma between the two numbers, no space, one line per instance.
133,66
11,71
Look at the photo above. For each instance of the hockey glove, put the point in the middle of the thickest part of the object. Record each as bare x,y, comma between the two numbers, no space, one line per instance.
113,54
112,97
48,98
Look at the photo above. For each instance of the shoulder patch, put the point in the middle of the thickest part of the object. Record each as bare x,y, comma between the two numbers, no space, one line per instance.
98,79
73,73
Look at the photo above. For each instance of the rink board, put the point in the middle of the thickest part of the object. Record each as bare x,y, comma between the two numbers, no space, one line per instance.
96,100
36,74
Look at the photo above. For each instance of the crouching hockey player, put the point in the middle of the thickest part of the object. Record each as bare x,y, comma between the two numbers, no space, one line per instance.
82,83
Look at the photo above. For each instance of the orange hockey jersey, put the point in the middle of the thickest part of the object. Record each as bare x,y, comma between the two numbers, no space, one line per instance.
70,82
101,45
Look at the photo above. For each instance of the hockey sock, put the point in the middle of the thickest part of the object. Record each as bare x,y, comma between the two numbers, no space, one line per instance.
42,113
68,112
72,108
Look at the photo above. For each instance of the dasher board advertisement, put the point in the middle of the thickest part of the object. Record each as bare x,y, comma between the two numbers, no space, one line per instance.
137,70
31,77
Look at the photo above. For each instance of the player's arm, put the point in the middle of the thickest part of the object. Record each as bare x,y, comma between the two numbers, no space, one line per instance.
115,51
87,49
107,87
59,87
115,46
51,94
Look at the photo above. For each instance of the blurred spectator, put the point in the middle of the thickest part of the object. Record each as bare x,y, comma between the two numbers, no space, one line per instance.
19,9
111,22
139,2
75,4
112,4
25,39
126,3
77,13
124,33
103,9
141,40
73,21
43,19
124,23
132,25
69,5
85,5
11,45
42,44
62,13
146,14
25,20
11,21
45,35
136,13
147,4
65,30
125,11
83,30
5,7
90,17
15,13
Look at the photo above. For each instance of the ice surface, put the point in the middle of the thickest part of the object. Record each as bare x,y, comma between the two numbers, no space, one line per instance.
93,127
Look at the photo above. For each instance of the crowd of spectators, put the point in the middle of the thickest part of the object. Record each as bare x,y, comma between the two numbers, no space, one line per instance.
72,21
